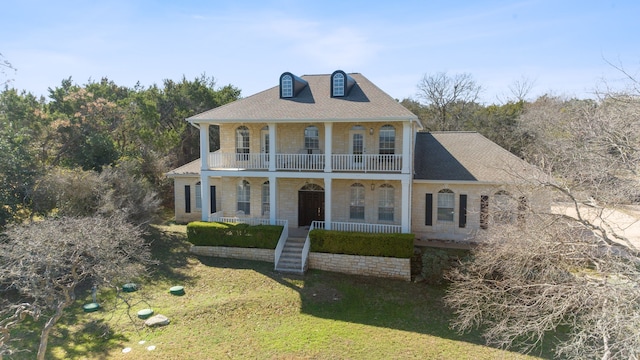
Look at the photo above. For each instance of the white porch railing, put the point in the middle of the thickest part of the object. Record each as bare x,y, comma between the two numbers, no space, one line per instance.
306,162
359,227
375,163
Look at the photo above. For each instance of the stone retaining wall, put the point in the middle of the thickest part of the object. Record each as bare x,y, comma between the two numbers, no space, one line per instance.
386,267
395,268
235,252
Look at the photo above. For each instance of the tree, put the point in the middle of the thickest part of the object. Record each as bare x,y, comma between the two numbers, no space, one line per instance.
527,281
46,261
118,189
448,98
21,124
5,66
571,269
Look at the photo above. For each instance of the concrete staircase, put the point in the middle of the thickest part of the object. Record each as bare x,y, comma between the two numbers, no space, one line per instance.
291,258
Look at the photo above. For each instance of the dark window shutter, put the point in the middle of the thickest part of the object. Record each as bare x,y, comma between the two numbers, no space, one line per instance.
187,199
428,213
484,212
212,196
462,218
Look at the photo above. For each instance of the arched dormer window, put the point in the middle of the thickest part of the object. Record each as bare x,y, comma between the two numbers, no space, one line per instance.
286,86
341,83
338,84
291,85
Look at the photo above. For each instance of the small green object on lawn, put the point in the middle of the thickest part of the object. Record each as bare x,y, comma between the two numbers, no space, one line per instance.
145,313
177,290
91,307
130,287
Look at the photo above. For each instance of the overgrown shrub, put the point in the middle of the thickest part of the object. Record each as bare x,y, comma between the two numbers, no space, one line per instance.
233,235
436,261
357,243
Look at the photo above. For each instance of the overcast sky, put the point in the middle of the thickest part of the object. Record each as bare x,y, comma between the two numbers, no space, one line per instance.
562,45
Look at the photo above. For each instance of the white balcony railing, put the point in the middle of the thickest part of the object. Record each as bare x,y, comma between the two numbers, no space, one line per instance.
306,162
375,163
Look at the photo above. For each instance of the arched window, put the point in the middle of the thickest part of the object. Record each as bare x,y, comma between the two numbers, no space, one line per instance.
505,208
242,143
356,205
386,202
265,198
198,195
244,197
337,83
286,86
387,143
446,205
311,138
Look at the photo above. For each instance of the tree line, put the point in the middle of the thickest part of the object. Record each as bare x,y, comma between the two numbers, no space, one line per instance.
95,126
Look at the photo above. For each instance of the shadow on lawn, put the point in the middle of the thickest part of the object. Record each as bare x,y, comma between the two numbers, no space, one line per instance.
172,252
413,307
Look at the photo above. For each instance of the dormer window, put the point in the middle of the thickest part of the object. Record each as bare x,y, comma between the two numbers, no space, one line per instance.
286,86
291,85
341,84
338,84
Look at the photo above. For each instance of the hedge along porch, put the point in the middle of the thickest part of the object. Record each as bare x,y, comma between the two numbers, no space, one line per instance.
381,255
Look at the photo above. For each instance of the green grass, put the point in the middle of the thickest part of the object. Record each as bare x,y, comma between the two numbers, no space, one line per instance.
243,309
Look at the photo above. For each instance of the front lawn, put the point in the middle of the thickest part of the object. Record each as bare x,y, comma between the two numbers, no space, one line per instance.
243,309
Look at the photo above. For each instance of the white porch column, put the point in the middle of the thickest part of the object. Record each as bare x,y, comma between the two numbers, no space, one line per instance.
204,166
273,197
204,146
205,199
328,141
272,150
327,202
406,147
406,206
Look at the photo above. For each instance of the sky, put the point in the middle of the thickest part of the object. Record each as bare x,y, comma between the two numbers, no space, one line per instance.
562,47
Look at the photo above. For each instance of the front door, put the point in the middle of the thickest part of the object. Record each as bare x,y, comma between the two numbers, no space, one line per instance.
264,145
356,144
310,207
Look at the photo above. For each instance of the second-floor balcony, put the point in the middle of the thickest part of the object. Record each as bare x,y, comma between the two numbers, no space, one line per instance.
306,162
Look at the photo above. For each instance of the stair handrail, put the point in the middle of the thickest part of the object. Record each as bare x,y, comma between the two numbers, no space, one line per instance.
307,244
281,242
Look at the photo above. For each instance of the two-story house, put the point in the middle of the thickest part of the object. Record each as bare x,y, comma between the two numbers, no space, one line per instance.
336,149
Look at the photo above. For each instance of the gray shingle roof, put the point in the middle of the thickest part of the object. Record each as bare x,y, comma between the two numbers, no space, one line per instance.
365,101
467,156
192,168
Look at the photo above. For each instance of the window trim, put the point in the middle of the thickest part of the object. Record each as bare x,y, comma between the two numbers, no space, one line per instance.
243,196
389,147
286,86
243,141
312,142
265,203
386,196
198,191
357,201
446,214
